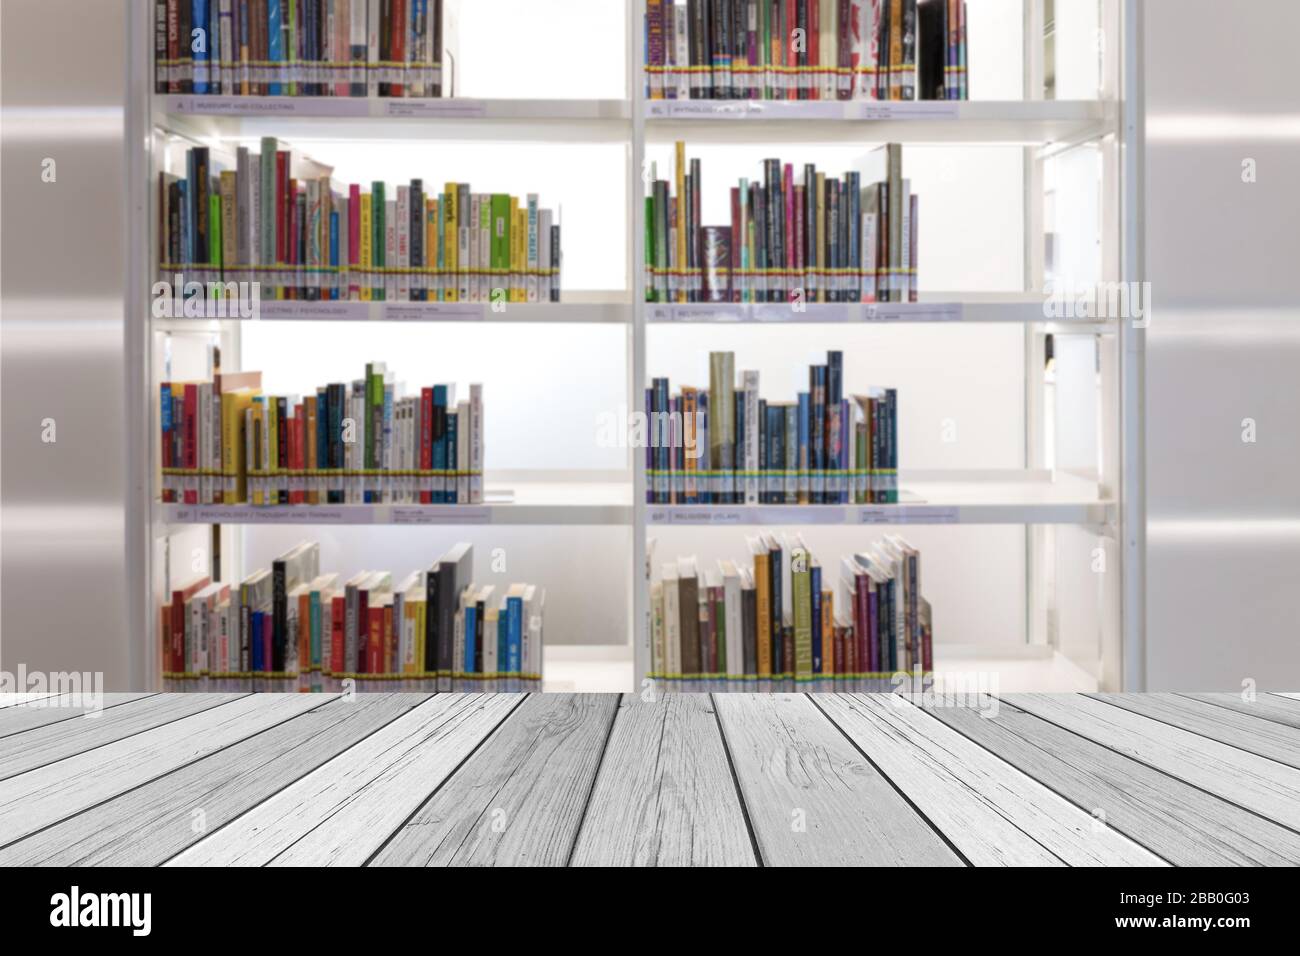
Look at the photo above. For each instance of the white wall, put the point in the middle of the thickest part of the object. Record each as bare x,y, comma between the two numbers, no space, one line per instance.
1223,543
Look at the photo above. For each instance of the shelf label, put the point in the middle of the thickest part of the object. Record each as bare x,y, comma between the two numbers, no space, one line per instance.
909,514
426,311
308,311
914,312
801,514
434,108
271,514
435,514
269,105
917,110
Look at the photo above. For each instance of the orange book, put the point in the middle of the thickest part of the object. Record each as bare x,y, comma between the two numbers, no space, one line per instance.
763,600
690,441
828,632
304,632
337,611
375,643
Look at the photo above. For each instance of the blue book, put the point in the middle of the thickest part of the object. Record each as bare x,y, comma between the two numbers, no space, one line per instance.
805,423
514,634
815,582
185,226
314,633
274,50
502,642
471,645
200,45
334,255
439,442
255,639
453,436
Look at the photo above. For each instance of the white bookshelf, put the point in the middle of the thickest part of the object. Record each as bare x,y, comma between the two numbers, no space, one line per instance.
1103,501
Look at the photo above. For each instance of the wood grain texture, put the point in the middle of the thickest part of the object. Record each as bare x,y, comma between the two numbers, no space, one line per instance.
51,710
67,738
1281,710
16,700
812,798
1243,731
1256,783
149,824
1182,824
519,800
665,794
54,792
342,812
994,814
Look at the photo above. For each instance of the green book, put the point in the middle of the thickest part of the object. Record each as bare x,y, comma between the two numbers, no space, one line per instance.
214,231
378,240
501,242
801,595
649,248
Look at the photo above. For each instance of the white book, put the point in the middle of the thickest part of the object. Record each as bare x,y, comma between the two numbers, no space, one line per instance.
828,79
372,49
484,221
544,255
253,226
476,439
403,260
672,651
732,616
867,15
534,603
475,263
657,629
461,465
390,249
749,379
531,284
681,50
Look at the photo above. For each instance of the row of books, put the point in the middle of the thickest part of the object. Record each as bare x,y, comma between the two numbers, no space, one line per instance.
816,240
290,627
779,622
806,50
223,441
299,47
728,445
278,219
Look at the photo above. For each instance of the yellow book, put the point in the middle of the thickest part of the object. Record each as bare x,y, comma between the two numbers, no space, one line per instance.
828,632
272,460
430,251
450,244
366,227
233,405
518,251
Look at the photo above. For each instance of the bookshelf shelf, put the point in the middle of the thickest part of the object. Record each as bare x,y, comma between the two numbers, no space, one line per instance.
342,107
1012,122
1014,309
1064,517
300,311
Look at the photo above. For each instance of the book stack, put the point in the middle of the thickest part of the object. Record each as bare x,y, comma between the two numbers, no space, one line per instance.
291,628
299,47
280,220
776,623
806,50
798,240
727,445
225,442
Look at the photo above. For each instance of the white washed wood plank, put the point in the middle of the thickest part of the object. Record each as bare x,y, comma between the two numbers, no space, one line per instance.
1180,823
664,795
1292,696
520,798
812,798
51,710
1245,732
343,811
152,823
54,792
1281,710
58,741
1256,783
993,813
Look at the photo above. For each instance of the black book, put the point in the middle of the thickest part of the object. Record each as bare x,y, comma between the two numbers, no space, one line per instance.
772,184
931,49
184,50
159,45
762,451
749,629
451,576
200,185
417,232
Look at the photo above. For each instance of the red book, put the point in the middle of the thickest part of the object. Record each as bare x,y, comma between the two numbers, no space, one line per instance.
841,665
291,217
426,439
375,640
191,441
179,597
790,57
737,242
397,45
173,43
815,74
354,239
337,611
363,627
296,496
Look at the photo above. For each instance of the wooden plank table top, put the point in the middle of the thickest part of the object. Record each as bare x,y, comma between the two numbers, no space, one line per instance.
685,780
